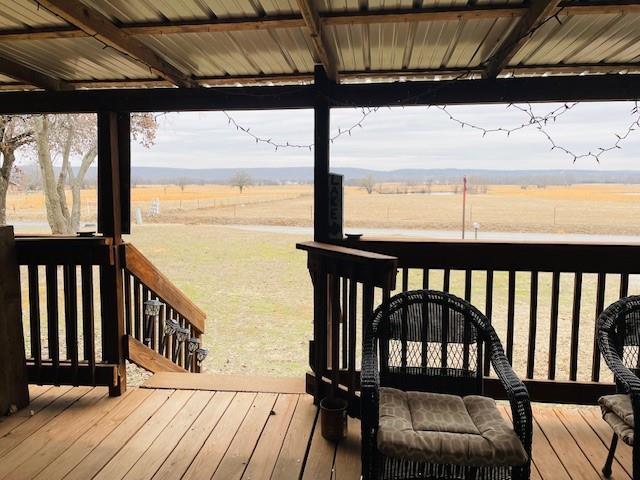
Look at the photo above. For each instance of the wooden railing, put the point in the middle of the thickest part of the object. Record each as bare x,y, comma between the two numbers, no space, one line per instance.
543,299
177,348
345,283
67,341
70,308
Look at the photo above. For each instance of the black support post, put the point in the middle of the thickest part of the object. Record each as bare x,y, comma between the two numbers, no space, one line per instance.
321,141
113,166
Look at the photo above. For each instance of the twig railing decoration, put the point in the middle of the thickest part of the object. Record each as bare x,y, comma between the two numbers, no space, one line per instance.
158,314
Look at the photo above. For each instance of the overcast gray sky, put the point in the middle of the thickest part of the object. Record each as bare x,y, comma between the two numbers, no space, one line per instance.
414,137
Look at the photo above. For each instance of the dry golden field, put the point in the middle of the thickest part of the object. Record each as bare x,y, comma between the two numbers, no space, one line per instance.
583,209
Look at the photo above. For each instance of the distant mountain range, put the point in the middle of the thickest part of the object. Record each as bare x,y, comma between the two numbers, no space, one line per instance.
448,175
163,175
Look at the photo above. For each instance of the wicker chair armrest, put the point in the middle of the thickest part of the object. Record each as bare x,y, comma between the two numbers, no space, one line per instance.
518,396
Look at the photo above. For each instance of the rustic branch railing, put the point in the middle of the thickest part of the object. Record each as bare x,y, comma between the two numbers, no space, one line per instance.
543,299
345,283
66,345
142,282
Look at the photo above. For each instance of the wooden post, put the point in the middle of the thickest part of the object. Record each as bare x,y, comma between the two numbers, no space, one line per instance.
321,140
113,158
14,391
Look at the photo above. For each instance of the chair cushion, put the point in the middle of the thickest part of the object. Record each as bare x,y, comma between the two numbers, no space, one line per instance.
618,413
446,429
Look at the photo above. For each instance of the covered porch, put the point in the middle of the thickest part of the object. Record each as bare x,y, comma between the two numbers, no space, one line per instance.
87,297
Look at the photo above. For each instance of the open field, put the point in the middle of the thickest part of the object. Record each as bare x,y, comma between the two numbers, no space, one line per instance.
604,209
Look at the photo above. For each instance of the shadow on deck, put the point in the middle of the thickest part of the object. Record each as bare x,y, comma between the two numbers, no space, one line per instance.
235,428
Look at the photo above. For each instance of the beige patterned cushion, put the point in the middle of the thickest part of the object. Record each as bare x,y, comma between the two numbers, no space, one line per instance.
438,428
618,413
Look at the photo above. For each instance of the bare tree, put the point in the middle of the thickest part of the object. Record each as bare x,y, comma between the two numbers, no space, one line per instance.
368,183
182,183
15,132
73,135
241,179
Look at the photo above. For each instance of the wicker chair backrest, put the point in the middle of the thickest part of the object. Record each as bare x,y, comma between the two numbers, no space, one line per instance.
619,327
431,340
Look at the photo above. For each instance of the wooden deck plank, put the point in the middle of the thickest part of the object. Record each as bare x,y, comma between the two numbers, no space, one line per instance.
210,455
36,390
237,457
319,464
266,453
164,444
137,445
181,457
564,446
294,448
85,444
42,401
347,464
588,441
43,446
16,436
226,383
115,440
624,453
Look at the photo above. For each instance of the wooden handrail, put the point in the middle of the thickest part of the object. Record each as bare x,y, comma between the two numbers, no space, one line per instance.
64,251
360,265
504,256
142,268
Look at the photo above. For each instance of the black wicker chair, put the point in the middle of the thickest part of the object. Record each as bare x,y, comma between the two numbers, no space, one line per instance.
429,341
619,341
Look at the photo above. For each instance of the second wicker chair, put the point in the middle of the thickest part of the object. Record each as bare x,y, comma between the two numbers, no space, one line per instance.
423,413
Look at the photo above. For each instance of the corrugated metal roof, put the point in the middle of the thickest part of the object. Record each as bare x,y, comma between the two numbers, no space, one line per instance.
73,59
414,46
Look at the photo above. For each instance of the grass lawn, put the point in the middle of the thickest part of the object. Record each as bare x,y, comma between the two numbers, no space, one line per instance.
254,287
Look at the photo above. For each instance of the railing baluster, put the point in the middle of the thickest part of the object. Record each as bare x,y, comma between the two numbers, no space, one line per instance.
488,311
624,285
70,286
34,317
344,312
127,302
335,332
446,280
600,289
425,278
403,335
468,275
533,325
137,310
511,300
405,279
353,299
88,322
51,280
575,326
553,328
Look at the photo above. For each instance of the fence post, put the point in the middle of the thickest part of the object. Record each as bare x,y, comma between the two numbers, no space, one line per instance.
14,391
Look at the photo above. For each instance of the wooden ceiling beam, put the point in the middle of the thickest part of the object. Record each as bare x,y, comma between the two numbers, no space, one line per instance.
97,25
321,52
538,12
32,77
389,75
562,88
238,24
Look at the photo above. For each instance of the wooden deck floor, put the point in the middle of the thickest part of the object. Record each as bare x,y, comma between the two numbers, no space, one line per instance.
162,433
